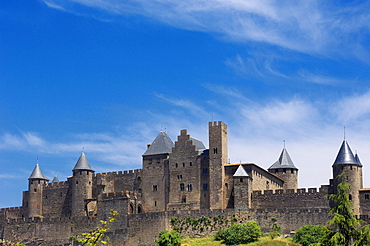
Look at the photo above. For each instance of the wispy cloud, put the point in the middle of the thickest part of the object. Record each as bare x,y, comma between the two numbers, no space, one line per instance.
310,27
312,130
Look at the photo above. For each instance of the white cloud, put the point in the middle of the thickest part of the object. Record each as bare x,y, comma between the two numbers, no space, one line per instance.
311,27
312,131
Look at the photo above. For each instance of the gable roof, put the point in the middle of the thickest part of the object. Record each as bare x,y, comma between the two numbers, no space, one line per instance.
284,161
162,144
37,174
82,164
345,155
240,172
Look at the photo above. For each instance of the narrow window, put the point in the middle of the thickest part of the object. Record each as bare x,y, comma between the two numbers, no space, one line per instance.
155,203
366,196
292,171
76,182
177,165
182,187
205,171
241,179
190,187
131,208
155,187
350,197
139,209
34,190
191,164
183,164
39,181
205,186
214,150
183,199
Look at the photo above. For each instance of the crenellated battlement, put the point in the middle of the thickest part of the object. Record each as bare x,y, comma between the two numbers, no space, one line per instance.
58,184
322,189
120,173
10,209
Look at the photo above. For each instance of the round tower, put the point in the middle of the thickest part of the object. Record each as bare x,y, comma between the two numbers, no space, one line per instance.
36,183
284,168
351,168
81,183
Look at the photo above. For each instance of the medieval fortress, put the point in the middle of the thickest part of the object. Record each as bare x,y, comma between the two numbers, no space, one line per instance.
177,180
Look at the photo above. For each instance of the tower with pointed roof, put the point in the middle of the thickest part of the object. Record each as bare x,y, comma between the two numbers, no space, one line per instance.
32,202
242,189
285,169
218,156
350,167
82,186
155,180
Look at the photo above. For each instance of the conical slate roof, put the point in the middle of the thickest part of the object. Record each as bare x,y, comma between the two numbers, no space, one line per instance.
83,164
358,160
240,172
345,155
37,174
162,144
55,179
284,161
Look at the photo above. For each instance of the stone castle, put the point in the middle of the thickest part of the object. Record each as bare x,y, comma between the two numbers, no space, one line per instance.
181,179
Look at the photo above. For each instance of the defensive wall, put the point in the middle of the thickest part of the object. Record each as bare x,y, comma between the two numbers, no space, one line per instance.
291,198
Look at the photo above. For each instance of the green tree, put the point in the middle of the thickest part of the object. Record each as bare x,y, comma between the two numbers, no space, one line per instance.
309,234
344,227
96,237
167,238
239,233
275,229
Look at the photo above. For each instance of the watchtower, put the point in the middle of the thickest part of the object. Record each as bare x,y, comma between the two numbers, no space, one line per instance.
351,168
36,184
81,183
285,169
218,156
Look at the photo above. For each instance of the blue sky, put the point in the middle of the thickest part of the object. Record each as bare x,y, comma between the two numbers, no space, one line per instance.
106,76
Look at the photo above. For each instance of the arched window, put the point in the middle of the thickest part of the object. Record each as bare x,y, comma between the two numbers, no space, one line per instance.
131,208
139,209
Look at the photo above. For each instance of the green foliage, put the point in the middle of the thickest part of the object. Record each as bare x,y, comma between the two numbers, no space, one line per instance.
239,233
344,227
309,234
9,243
167,238
275,230
95,237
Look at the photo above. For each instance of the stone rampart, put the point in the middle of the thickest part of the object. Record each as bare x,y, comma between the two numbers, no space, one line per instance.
291,198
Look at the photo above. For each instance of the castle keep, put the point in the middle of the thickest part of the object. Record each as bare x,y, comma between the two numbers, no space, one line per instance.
177,179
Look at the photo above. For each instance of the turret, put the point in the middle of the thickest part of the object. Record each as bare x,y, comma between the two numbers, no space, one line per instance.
284,168
218,156
242,189
156,173
351,166
33,201
81,183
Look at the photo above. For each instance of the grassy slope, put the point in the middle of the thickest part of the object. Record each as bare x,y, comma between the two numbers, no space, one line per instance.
265,241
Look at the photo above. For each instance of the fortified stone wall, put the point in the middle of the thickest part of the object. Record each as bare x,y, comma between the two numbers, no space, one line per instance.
291,198
118,181
56,200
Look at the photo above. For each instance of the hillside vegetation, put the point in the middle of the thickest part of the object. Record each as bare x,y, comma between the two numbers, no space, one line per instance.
264,241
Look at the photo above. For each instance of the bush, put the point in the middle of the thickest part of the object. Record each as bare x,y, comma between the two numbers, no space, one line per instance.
239,233
310,234
166,238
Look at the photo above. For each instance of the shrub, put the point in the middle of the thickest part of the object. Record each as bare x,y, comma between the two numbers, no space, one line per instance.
167,238
239,233
309,234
